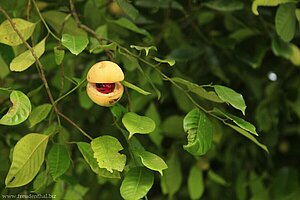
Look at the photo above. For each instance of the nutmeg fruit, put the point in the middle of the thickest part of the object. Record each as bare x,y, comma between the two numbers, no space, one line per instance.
104,87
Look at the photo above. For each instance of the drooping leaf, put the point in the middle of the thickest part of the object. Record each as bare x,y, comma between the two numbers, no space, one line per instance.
224,5
257,3
28,156
58,160
200,132
170,62
152,161
135,123
39,113
19,111
106,151
88,155
126,23
136,88
230,96
137,183
217,178
247,126
249,136
56,21
146,49
285,21
195,183
59,55
26,59
197,89
172,178
128,8
10,37
76,44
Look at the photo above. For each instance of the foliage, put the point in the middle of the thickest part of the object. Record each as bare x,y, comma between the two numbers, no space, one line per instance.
199,75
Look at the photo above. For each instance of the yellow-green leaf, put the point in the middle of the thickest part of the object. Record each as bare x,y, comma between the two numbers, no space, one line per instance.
10,37
28,157
257,3
39,113
26,59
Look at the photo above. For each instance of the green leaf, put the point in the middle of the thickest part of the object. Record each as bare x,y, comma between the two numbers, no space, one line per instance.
281,48
110,46
297,12
129,9
135,123
19,111
136,184
153,113
106,151
58,160
26,59
146,49
195,183
247,126
170,62
295,56
57,21
28,157
224,5
172,178
59,55
172,127
3,68
41,181
76,44
88,155
217,178
160,4
10,37
152,161
39,113
126,23
200,132
197,89
285,21
257,3
248,135
136,88
230,96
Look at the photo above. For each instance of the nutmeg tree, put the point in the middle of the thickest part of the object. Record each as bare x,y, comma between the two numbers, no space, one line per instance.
118,99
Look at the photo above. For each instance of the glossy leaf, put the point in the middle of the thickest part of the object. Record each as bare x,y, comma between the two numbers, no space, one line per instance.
106,151
88,155
28,157
59,55
172,178
247,126
58,160
285,21
249,136
152,161
200,132
197,89
26,59
126,23
170,62
135,123
76,44
146,49
230,96
19,111
137,183
10,37
57,21
39,113
129,9
136,88
195,183
257,3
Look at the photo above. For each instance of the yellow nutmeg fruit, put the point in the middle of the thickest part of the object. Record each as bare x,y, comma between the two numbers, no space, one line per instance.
104,87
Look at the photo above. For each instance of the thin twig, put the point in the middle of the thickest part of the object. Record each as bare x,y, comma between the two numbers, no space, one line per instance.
75,125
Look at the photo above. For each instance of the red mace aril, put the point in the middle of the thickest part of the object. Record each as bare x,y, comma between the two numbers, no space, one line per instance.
105,88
